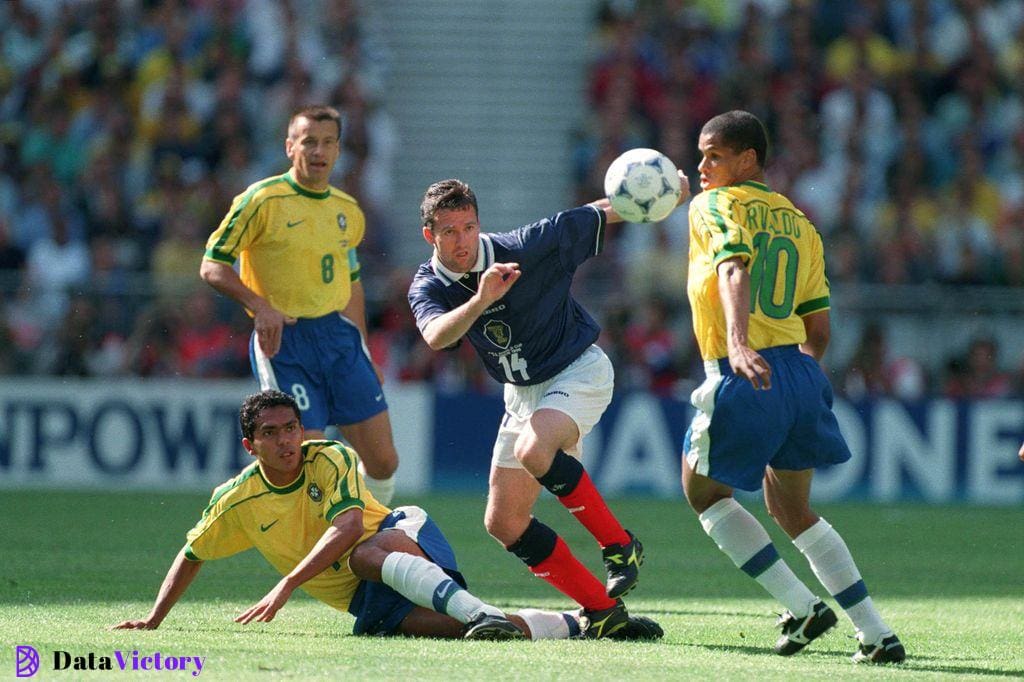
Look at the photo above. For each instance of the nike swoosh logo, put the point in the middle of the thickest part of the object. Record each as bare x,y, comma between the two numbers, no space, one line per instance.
264,529
291,224
380,397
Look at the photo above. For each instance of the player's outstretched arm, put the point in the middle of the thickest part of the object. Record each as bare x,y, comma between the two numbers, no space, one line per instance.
343,532
445,330
612,216
179,577
734,292
267,320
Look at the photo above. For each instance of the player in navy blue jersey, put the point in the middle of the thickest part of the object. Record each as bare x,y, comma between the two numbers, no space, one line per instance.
508,293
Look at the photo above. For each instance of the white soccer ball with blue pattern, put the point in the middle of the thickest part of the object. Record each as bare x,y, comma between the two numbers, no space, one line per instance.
642,185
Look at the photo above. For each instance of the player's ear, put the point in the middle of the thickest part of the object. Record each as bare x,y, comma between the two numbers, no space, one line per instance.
750,159
247,444
428,235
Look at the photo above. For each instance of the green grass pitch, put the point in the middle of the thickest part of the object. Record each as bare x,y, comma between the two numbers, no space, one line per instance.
949,579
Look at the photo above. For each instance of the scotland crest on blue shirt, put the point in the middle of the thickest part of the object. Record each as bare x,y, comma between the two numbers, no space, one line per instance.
498,333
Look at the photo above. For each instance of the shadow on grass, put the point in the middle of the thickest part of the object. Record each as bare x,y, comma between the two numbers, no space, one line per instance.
706,612
915,663
270,630
963,670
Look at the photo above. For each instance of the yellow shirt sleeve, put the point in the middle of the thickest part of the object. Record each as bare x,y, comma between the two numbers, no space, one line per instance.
216,536
347,490
816,294
239,228
728,236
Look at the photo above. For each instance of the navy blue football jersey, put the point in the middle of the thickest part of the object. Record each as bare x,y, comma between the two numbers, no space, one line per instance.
537,329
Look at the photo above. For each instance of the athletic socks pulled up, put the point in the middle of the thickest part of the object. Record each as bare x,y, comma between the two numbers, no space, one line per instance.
570,483
383,489
550,559
745,541
427,585
833,565
550,624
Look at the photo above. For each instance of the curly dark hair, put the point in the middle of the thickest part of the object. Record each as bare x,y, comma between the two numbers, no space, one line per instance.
446,195
253,406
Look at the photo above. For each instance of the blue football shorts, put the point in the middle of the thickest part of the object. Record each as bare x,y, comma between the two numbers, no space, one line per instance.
737,431
378,609
325,366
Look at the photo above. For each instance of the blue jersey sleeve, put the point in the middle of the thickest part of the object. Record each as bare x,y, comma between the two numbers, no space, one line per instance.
576,234
425,298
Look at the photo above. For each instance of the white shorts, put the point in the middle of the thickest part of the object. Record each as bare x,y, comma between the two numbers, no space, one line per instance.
582,391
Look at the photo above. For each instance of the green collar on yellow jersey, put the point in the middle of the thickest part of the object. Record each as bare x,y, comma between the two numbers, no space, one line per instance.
755,183
312,194
281,490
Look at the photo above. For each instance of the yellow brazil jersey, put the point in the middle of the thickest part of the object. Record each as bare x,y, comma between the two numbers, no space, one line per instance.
782,251
285,523
296,245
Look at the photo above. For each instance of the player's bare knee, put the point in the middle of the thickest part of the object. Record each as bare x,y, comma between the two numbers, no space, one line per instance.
534,457
793,519
502,528
387,456
497,529
382,463
366,561
701,496
700,503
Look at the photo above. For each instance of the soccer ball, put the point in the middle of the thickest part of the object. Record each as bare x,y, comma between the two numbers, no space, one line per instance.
642,185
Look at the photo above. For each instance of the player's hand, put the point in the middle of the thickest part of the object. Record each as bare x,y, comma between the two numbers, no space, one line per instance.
265,610
496,281
748,363
146,624
1020,453
268,323
684,187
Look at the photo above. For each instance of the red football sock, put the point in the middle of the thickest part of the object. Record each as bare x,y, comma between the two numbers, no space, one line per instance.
567,575
589,508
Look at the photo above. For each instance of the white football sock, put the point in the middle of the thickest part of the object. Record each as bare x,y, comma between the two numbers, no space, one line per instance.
550,624
424,583
383,489
832,563
745,541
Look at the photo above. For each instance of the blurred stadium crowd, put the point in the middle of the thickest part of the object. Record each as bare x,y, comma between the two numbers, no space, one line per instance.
126,127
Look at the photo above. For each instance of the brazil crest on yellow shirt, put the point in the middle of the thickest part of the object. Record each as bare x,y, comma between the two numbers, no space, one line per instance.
296,246
284,523
782,251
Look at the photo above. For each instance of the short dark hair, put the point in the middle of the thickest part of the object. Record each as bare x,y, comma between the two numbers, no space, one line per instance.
315,112
739,131
451,194
253,406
